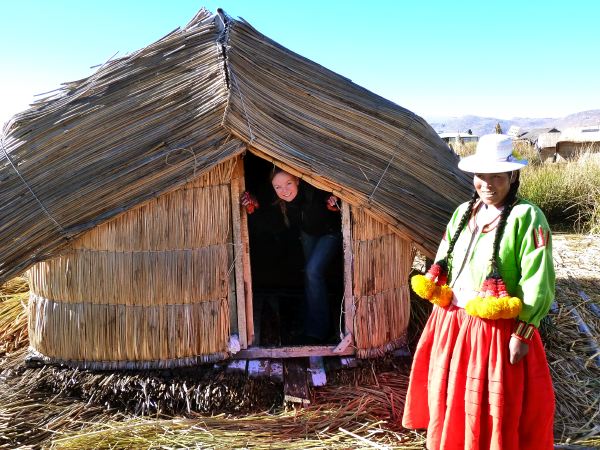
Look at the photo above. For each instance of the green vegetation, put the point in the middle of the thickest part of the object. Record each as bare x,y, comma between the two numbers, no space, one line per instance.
568,193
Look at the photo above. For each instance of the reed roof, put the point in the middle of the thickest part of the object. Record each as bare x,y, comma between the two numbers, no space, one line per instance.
580,134
547,140
147,123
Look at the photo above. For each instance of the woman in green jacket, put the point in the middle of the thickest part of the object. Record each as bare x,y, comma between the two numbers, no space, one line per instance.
480,362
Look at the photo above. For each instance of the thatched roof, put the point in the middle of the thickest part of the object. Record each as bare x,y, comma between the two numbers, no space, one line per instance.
532,135
547,140
147,123
580,134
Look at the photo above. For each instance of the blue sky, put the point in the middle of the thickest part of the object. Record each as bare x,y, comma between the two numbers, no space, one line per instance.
437,58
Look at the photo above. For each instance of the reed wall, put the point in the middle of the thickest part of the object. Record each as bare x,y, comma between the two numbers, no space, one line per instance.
150,285
382,264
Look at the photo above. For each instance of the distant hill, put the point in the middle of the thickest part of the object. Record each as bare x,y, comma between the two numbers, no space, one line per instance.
484,125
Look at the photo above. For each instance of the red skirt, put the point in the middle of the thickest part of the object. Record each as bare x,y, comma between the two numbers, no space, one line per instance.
464,390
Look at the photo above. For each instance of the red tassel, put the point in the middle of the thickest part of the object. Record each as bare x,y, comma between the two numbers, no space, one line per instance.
435,270
442,279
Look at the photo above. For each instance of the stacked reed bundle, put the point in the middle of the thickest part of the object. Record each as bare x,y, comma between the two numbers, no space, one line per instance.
382,263
149,288
140,126
369,151
13,316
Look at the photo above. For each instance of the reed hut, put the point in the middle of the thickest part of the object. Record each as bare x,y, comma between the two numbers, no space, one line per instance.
546,146
120,197
577,140
532,135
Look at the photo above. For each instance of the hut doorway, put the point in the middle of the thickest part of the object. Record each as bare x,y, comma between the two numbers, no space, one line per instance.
277,262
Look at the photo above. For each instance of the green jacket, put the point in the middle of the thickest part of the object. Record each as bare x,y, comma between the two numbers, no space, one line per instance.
524,260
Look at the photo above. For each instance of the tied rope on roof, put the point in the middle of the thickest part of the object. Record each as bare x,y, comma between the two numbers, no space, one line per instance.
409,128
39,202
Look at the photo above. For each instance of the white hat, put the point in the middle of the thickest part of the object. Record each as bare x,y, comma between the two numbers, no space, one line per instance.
493,155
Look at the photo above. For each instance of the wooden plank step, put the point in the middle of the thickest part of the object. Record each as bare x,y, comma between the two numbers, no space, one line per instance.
295,386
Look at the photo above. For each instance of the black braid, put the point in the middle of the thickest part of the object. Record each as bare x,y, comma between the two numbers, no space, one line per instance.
446,262
511,198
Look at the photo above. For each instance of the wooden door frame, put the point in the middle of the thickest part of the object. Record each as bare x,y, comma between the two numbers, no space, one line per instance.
243,282
241,258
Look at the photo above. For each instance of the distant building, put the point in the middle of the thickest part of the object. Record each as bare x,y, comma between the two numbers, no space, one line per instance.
546,145
452,138
578,139
532,135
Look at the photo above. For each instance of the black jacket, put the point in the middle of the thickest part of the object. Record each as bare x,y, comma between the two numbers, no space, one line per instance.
309,211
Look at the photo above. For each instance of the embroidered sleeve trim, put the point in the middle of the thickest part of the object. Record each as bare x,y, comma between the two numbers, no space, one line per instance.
540,237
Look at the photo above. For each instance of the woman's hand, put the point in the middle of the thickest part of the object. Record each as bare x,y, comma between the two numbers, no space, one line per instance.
517,350
332,203
248,201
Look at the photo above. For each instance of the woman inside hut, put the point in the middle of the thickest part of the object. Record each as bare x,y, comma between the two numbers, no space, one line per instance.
480,379
317,215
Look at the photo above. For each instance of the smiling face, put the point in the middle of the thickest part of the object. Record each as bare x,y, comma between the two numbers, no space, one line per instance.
492,187
286,186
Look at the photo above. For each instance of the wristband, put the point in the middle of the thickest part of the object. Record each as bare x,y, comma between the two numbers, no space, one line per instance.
524,331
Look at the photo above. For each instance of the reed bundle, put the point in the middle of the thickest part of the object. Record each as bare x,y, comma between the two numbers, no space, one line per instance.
121,337
13,315
382,261
383,397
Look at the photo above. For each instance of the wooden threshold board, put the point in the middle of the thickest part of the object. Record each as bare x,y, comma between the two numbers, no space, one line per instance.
291,352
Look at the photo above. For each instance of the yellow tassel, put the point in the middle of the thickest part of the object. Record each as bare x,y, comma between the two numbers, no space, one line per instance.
423,286
494,308
442,296
472,306
515,305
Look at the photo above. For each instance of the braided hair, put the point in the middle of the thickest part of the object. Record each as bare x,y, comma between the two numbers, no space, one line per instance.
511,197
446,262
511,200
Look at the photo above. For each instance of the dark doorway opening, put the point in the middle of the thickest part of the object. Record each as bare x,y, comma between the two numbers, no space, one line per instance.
278,269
